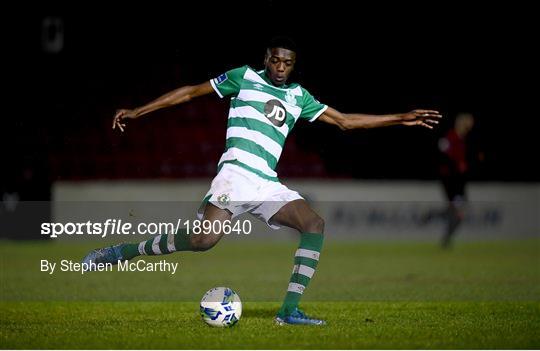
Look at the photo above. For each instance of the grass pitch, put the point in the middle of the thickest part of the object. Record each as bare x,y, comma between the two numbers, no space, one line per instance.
375,295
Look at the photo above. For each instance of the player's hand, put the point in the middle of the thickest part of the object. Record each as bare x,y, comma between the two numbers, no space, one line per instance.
423,118
120,117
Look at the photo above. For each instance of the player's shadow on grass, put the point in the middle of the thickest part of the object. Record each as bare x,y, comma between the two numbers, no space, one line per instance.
259,312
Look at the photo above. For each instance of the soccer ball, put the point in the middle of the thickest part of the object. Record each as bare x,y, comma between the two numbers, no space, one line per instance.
221,307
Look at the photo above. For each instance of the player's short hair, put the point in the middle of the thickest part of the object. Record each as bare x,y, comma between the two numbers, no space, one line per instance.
282,42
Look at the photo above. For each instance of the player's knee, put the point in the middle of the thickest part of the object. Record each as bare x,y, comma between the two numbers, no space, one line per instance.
314,225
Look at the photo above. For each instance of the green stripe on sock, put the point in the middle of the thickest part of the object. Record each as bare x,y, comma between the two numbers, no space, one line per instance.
182,241
311,241
148,247
163,244
306,261
129,251
300,279
292,300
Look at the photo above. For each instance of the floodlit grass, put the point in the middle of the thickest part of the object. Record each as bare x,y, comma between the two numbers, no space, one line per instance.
376,295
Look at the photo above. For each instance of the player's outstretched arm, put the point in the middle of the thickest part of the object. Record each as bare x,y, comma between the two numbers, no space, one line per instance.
346,121
172,98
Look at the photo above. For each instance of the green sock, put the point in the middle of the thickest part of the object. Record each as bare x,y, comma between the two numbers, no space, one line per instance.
305,262
160,245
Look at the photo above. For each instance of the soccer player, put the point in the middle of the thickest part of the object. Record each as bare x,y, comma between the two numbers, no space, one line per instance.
454,171
264,106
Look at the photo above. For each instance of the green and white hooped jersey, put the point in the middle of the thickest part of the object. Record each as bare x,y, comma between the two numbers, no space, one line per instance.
260,118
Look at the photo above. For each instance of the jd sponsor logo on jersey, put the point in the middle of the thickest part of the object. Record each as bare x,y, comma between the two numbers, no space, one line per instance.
275,112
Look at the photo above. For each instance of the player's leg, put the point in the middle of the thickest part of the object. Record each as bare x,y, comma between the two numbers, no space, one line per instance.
455,191
439,214
453,220
203,242
181,241
165,243
298,214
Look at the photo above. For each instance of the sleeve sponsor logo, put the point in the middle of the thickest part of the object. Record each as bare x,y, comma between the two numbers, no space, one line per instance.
221,78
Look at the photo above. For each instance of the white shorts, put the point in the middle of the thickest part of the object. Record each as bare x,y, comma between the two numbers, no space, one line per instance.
239,191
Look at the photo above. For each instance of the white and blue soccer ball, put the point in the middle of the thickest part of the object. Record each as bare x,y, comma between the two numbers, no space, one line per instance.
221,307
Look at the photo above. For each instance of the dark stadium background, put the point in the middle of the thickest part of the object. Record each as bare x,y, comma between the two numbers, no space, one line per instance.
383,59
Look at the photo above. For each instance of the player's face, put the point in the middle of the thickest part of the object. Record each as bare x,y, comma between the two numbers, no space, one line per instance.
279,64
465,122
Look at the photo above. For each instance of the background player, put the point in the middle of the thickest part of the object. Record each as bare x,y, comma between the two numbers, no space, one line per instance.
454,171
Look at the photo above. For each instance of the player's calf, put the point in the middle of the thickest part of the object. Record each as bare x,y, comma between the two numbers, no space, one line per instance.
312,224
204,242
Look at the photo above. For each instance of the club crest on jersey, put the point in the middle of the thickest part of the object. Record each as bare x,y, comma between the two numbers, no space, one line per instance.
221,78
290,98
224,199
275,112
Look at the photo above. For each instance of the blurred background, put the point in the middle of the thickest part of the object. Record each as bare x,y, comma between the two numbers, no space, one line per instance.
69,68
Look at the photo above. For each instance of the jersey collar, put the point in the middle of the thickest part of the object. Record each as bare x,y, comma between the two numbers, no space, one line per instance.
263,75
